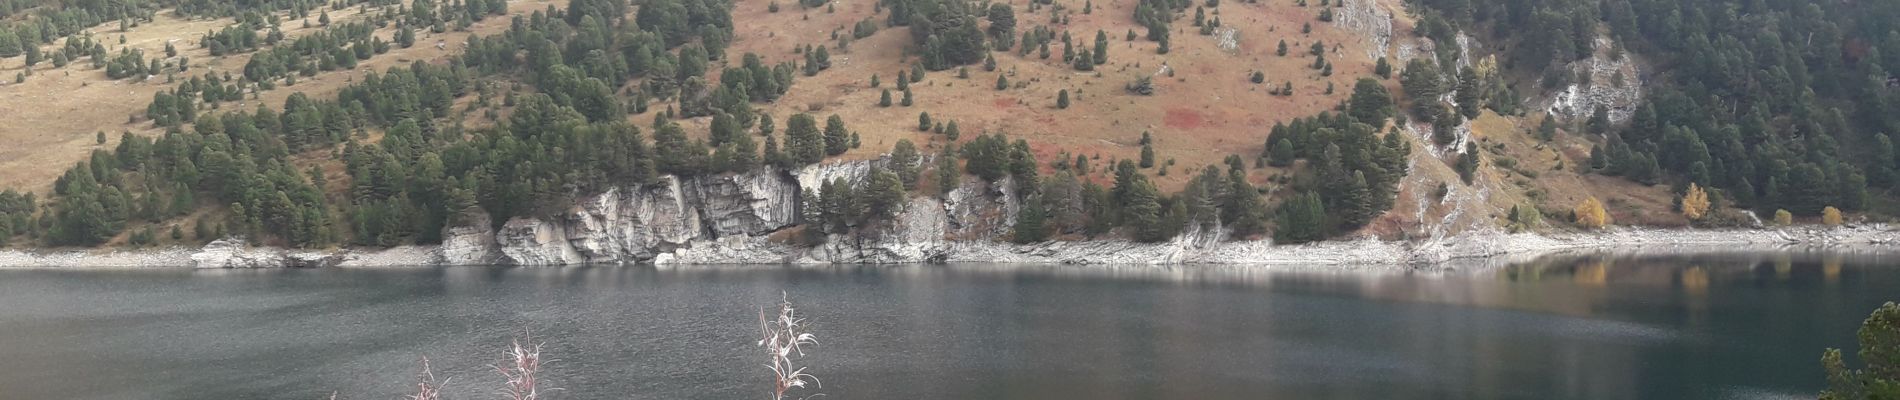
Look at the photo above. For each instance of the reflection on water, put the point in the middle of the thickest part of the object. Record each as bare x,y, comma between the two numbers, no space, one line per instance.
1692,326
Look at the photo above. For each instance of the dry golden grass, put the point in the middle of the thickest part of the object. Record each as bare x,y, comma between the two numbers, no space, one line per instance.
51,119
1206,111
1629,203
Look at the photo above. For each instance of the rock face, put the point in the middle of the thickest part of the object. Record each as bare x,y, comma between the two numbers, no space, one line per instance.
730,219
235,253
743,218
734,218
643,223
1615,83
471,244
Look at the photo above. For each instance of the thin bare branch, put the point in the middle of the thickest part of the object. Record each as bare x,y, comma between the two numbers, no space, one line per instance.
783,338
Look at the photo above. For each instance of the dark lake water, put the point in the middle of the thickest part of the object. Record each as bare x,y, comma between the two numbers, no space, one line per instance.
1678,327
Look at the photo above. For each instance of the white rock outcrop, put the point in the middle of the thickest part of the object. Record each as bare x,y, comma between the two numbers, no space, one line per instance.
1614,83
236,253
741,218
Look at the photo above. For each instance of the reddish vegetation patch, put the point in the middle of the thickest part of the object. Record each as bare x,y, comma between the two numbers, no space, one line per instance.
1046,119
1183,118
1005,103
1045,151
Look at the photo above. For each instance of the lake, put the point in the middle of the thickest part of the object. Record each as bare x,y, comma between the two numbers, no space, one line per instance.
1584,327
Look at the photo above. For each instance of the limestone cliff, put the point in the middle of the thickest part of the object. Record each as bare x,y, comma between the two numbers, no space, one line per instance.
749,218
731,219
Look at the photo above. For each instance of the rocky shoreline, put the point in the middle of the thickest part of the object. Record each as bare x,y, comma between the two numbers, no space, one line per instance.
1485,248
752,218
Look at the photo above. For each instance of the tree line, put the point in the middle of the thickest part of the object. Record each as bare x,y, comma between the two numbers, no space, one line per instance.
1790,113
569,139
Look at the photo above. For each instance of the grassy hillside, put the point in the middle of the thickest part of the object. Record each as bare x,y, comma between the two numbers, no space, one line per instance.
55,115
1205,106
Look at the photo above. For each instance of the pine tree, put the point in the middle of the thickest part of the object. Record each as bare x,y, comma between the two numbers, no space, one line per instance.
836,136
10,45
1300,219
1879,339
908,100
884,100
1002,28
1370,102
923,121
882,197
1031,221
202,230
1356,204
904,159
1147,155
1002,82
803,140
405,37
773,156
1068,49
1523,218
1282,154
1547,130
1142,211
947,172
1600,120
674,153
1468,162
1062,99
1101,48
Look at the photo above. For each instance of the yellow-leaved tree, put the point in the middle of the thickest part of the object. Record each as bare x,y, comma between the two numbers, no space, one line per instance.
1784,218
1695,202
1590,214
1830,216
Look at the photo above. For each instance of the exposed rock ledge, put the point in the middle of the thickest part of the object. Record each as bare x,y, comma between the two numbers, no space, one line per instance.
1495,247
733,219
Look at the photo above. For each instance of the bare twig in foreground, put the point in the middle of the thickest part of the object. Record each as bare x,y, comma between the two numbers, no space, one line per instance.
427,388
782,338
519,369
